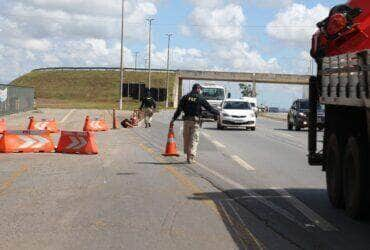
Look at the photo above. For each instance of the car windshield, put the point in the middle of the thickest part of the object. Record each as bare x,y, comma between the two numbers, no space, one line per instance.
253,105
320,107
237,105
213,93
304,105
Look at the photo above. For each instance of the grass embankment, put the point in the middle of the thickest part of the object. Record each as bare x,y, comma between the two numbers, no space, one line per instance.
86,89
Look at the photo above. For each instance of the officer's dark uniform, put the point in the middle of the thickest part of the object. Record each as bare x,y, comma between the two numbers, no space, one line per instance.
148,105
191,104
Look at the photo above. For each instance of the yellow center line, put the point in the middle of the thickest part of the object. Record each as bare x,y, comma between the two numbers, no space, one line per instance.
7,184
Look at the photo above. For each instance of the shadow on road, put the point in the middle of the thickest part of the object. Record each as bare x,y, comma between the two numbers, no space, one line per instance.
161,163
287,130
250,213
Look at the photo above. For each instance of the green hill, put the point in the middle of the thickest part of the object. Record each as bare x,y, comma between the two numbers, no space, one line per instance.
86,89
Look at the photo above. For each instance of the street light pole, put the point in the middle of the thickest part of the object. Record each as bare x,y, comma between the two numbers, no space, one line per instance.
150,20
122,64
136,55
168,66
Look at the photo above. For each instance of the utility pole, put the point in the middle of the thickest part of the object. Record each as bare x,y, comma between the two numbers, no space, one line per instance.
136,55
122,64
168,66
150,20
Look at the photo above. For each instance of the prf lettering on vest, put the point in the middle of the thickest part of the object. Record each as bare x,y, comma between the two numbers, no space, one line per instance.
192,99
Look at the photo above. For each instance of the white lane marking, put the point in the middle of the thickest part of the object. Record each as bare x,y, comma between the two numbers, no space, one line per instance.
218,144
306,211
311,215
67,116
242,163
206,135
267,203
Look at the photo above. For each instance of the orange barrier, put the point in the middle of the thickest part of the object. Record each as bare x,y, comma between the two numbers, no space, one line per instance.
26,142
50,126
2,125
95,126
77,143
171,148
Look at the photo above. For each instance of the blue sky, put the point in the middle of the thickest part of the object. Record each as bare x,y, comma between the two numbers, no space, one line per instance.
236,35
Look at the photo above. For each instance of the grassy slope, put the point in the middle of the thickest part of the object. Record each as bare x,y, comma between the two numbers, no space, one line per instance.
85,89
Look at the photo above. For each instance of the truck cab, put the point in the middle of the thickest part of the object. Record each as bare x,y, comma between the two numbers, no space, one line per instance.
341,48
215,95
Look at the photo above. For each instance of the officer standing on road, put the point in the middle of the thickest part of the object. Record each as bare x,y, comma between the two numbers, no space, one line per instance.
191,104
148,105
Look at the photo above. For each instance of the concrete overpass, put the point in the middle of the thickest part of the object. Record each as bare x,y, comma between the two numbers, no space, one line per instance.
235,77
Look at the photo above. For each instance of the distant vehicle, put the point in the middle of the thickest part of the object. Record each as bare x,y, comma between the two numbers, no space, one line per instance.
273,110
237,113
215,95
253,103
298,115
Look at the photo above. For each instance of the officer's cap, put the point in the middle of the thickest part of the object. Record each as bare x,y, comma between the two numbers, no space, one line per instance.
196,86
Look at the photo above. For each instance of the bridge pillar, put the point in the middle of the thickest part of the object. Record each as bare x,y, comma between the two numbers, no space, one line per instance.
177,91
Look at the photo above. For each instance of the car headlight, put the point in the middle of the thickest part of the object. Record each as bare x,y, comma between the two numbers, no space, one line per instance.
225,114
302,114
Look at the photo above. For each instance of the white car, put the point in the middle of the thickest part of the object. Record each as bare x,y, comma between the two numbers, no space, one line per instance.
237,114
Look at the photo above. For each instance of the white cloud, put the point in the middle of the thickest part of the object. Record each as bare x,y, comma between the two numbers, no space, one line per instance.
297,23
67,33
220,24
37,44
184,30
270,3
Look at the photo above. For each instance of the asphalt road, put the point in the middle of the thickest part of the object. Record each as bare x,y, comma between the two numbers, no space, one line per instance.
248,190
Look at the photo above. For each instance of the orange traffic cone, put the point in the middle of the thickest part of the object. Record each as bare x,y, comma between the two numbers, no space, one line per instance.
95,126
115,122
2,125
50,126
171,148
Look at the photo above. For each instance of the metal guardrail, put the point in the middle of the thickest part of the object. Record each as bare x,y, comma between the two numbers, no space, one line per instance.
15,99
101,69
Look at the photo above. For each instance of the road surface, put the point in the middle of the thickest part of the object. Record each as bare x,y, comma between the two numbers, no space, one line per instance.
249,190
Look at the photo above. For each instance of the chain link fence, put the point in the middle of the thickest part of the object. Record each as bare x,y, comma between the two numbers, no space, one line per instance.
16,99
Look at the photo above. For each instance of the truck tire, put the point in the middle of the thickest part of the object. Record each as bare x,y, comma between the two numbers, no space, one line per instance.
297,127
354,179
290,125
334,173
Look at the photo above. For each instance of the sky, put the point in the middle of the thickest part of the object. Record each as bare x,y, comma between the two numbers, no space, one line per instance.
236,35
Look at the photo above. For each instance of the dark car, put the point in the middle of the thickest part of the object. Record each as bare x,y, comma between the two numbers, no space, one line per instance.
298,115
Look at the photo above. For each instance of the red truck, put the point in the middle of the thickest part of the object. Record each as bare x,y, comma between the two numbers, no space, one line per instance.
341,48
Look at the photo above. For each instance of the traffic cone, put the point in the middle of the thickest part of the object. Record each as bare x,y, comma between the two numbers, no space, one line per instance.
171,148
115,122
87,124
31,125
50,126
95,126
2,125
